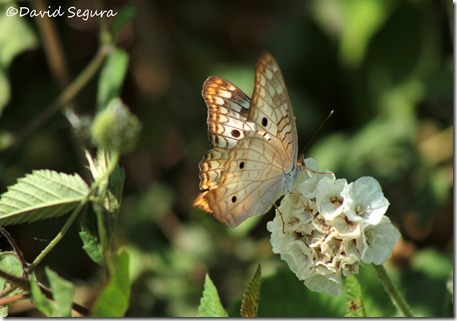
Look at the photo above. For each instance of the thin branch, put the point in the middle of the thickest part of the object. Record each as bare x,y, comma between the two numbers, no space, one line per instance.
52,46
64,98
59,236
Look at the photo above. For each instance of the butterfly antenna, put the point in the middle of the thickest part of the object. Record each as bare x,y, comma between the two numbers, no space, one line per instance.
318,129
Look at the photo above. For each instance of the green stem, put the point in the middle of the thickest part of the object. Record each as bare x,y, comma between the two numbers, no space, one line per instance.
59,236
395,295
64,98
111,166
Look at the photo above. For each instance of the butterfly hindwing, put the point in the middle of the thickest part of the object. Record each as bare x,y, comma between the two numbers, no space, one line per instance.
252,181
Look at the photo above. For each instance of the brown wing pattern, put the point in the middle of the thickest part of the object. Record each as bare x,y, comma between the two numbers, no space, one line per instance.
254,153
228,108
271,109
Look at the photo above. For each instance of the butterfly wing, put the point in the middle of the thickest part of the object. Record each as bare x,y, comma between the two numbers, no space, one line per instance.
271,110
228,108
252,180
257,170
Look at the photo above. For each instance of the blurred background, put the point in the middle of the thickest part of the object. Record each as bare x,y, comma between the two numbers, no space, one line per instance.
384,67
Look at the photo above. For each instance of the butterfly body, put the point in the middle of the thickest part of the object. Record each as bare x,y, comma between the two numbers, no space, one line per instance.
253,160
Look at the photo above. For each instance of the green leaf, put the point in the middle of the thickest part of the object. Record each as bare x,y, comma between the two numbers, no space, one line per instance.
123,17
111,77
210,304
363,19
62,292
89,236
15,37
41,195
41,302
113,301
250,302
354,298
355,22
9,262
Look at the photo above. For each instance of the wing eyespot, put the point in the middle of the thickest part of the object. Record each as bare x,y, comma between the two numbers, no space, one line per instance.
236,133
233,199
241,165
264,121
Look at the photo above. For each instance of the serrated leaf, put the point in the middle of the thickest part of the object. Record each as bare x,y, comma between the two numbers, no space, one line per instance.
41,195
250,302
111,77
41,302
210,303
355,307
62,293
113,301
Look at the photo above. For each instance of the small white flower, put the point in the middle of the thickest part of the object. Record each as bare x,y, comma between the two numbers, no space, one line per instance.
347,229
328,197
364,200
324,279
378,241
326,228
308,178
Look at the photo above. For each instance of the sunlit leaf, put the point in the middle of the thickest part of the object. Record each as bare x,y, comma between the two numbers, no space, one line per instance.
210,303
41,195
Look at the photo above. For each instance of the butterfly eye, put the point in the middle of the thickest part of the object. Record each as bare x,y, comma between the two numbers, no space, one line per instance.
241,165
264,121
233,199
236,133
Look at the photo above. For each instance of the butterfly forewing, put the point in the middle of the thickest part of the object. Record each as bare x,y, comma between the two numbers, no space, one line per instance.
254,153
228,109
271,109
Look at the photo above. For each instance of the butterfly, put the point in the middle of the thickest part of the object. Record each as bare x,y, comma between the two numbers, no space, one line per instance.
253,157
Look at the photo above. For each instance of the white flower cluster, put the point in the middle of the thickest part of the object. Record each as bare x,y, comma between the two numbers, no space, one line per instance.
327,227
